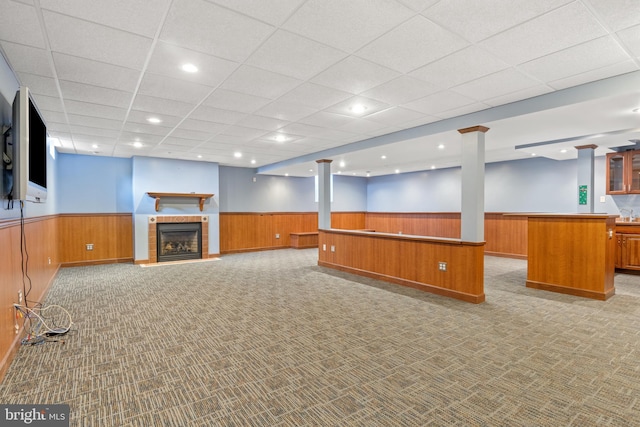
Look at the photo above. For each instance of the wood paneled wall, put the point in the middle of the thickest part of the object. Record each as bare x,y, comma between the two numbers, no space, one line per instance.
247,231
408,261
40,239
110,234
436,224
505,235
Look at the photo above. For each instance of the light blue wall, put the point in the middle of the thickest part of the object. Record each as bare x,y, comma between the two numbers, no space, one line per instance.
239,193
173,176
530,185
93,184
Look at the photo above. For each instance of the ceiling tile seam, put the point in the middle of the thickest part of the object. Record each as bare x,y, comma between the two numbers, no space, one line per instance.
47,43
612,33
256,18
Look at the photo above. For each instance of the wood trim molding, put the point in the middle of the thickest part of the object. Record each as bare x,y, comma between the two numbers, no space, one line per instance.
324,161
582,147
97,262
482,129
585,293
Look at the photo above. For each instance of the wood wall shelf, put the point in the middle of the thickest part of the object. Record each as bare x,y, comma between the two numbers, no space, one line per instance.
201,197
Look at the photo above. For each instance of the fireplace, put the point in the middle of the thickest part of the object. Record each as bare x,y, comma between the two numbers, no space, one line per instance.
175,238
179,241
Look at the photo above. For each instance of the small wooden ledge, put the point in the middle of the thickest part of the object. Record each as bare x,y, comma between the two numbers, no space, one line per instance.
202,197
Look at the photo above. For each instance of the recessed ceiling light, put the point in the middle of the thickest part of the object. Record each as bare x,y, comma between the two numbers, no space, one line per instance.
137,144
310,170
433,166
564,150
368,173
237,154
354,173
397,170
339,172
533,154
441,147
189,68
342,164
253,162
358,109
154,120
94,146
383,157
286,174
199,156
636,110
280,138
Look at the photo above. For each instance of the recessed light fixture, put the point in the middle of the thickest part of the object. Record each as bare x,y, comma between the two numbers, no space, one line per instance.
441,147
253,162
189,68
564,150
94,146
280,138
199,156
397,170
368,174
433,166
358,109
383,157
154,120
342,164
354,174
237,154
137,144
533,154
339,172
286,174
310,170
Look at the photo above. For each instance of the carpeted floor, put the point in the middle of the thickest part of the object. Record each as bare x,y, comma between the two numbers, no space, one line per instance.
271,339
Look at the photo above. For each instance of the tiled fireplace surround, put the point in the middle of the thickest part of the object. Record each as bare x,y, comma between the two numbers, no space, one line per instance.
154,220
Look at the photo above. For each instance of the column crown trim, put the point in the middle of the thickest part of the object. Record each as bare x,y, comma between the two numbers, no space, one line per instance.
324,161
582,147
482,129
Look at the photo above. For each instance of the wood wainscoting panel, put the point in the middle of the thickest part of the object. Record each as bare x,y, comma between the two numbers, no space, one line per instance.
505,235
347,220
40,242
436,224
110,234
408,260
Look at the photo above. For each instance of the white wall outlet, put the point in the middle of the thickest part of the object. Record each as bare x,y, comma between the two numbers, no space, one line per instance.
603,199
442,266
324,247
277,235
49,259
19,297
89,246
333,248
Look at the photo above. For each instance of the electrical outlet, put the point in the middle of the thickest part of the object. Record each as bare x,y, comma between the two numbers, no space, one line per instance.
442,266
324,246
333,248
277,235
89,246
19,297
49,258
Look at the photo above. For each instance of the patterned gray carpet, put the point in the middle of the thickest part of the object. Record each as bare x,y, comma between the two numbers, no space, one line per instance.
271,339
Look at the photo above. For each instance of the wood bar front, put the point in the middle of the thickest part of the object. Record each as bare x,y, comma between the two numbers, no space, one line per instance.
572,254
448,267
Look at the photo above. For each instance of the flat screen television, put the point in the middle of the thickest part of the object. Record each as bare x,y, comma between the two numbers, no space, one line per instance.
30,150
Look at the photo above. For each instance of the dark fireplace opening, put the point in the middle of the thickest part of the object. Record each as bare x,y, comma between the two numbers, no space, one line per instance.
179,241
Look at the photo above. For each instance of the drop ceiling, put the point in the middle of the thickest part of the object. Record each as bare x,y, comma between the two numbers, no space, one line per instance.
277,82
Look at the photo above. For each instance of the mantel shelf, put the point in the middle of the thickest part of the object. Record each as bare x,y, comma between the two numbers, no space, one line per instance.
199,196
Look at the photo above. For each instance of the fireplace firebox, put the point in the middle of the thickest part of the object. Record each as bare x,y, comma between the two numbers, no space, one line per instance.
179,241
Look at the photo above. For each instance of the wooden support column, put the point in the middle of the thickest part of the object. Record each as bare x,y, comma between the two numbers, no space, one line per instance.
472,212
585,178
324,194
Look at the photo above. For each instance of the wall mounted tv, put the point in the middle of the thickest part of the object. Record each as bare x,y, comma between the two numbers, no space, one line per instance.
29,150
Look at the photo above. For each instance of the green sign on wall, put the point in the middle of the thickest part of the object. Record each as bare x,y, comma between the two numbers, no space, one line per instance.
582,195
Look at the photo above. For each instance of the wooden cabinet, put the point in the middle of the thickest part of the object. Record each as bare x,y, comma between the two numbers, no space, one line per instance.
628,251
623,172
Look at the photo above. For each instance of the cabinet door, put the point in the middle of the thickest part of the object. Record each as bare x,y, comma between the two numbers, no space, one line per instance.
631,251
633,168
615,173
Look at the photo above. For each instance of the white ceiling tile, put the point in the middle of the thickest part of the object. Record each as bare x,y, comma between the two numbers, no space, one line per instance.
94,94
38,85
287,53
593,75
182,142
285,111
401,90
202,126
346,25
497,84
314,96
562,28
399,50
95,73
339,136
94,139
135,16
211,114
418,5
631,39
579,59
173,89
206,27
192,134
28,59
271,12
88,130
476,20
355,75
617,14
396,116
235,101
95,122
326,119
439,102
57,128
19,24
50,103
95,110
168,59
145,129
131,137
257,82
93,41
261,122
53,116
243,132
162,106
364,126
460,67
302,129
467,109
